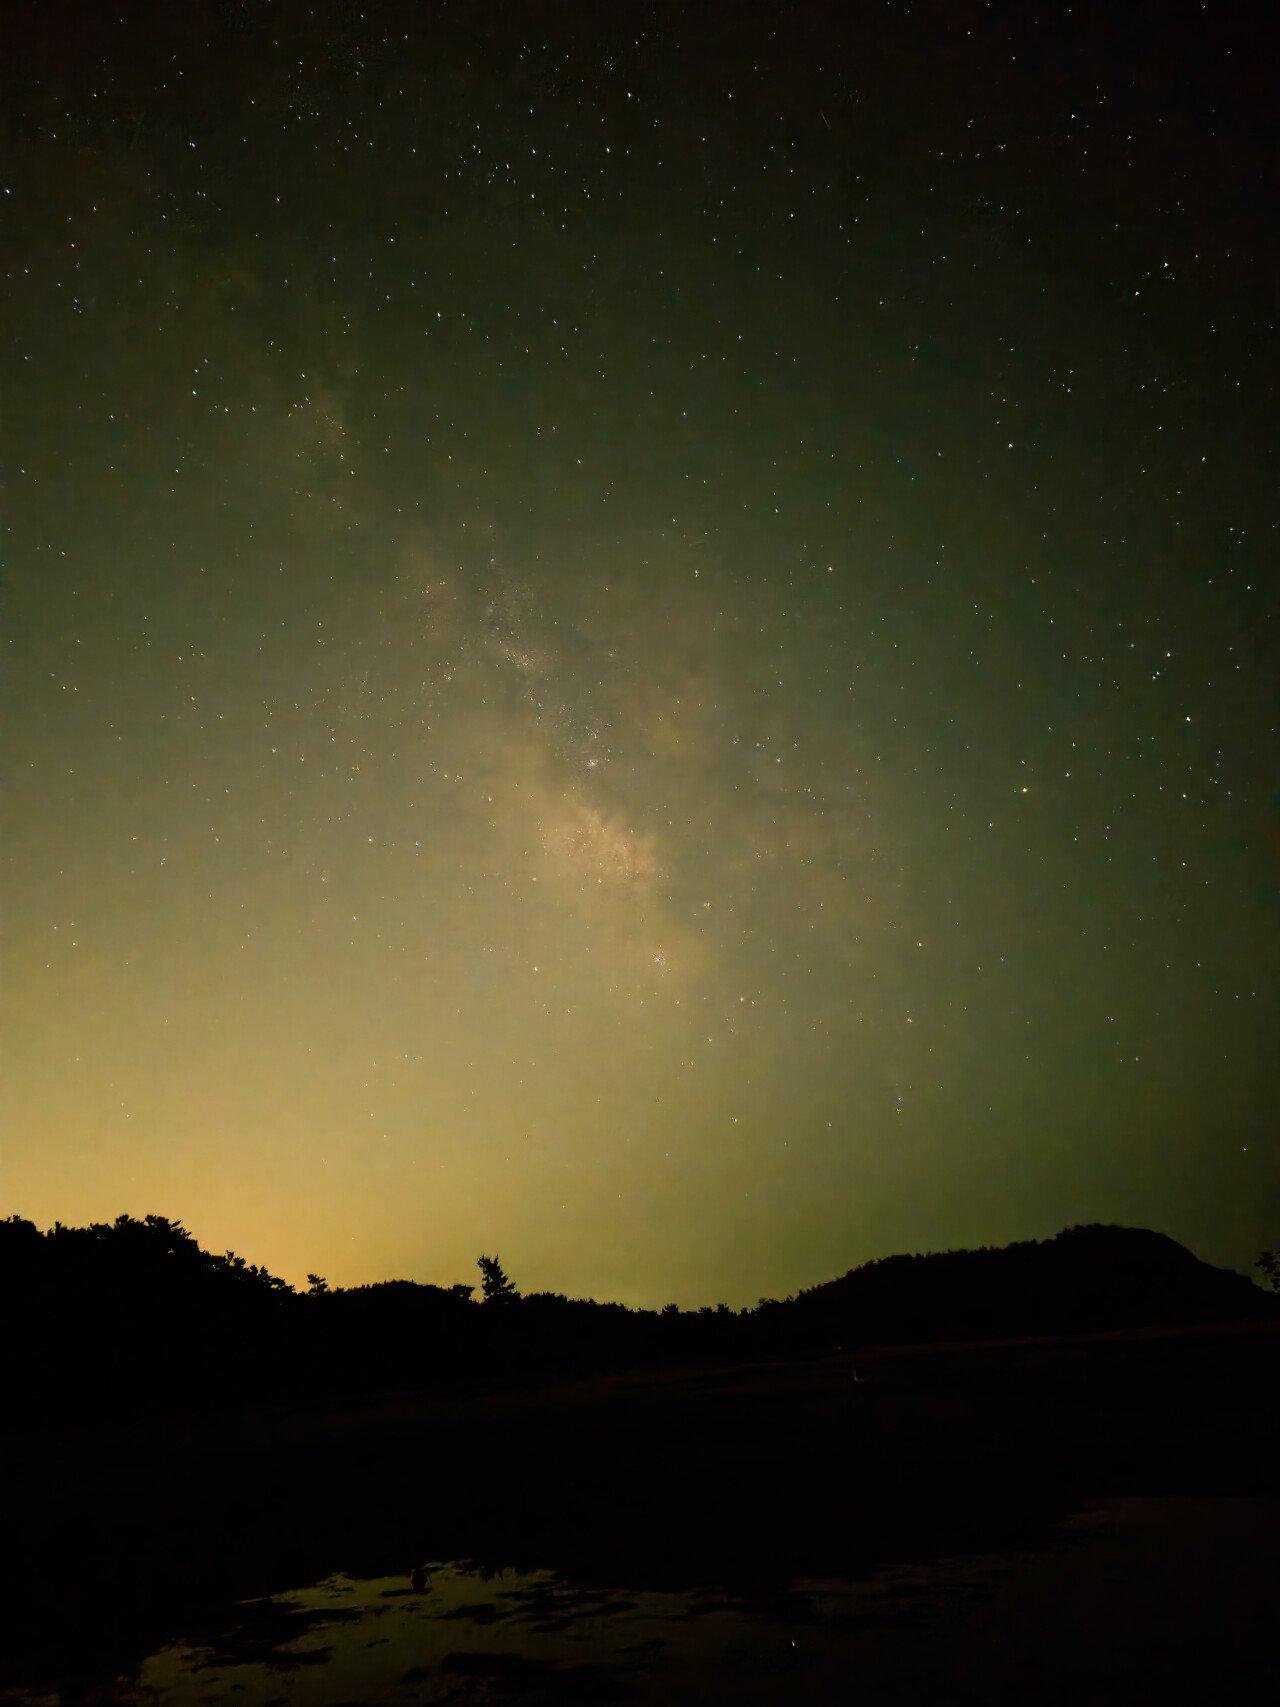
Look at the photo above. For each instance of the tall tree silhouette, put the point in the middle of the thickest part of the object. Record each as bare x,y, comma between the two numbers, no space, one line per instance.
495,1285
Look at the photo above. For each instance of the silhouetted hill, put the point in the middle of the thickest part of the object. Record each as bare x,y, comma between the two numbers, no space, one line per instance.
1085,1279
134,1312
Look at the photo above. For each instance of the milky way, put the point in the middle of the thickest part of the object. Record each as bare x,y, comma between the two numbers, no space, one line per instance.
643,640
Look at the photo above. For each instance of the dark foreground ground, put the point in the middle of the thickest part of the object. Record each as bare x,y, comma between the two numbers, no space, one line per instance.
122,1536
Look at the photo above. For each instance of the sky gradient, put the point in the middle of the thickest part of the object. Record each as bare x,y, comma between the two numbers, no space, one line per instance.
643,638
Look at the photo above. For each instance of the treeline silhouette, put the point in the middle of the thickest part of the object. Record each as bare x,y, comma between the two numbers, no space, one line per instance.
136,1313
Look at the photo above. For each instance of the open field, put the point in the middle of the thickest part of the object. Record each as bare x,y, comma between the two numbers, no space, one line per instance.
128,1534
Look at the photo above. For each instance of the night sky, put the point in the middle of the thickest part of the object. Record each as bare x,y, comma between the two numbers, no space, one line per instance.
640,637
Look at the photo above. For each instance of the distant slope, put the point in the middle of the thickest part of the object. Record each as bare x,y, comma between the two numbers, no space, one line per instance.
1083,1279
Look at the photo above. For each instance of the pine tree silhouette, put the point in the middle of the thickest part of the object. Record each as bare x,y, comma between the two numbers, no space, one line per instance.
495,1285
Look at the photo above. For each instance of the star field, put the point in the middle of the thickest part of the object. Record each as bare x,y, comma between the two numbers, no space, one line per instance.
642,637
